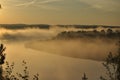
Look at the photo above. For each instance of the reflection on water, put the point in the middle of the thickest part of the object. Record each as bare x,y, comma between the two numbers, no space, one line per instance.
52,67
35,46
76,48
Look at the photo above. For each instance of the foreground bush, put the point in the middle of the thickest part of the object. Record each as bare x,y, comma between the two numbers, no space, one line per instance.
8,72
112,65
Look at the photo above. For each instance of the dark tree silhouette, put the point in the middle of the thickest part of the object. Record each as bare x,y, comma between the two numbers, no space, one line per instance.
112,65
2,58
84,77
109,31
8,72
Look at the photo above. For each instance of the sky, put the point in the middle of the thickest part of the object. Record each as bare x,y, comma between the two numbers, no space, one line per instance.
85,12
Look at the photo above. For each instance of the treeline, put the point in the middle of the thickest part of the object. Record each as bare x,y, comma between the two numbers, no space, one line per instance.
24,26
47,26
87,26
109,33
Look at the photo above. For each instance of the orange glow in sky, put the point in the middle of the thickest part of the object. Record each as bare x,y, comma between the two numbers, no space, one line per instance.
101,12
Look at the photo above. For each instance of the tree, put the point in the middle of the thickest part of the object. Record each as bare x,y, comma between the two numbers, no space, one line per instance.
84,77
102,31
8,72
109,31
2,58
112,65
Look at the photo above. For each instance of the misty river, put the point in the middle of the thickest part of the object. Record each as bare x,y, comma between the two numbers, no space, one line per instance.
55,59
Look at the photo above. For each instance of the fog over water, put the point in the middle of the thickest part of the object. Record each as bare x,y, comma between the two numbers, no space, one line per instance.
56,59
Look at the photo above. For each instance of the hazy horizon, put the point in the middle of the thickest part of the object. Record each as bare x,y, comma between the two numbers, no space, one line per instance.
54,58
53,12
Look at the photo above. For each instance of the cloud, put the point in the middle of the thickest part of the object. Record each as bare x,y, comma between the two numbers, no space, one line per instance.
106,5
27,3
48,7
49,1
41,4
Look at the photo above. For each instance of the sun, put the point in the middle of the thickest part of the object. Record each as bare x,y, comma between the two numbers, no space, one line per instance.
0,6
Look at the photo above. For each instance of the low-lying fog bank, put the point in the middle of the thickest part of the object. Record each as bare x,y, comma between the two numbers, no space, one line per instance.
56,59
50,66
44,40
76,48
